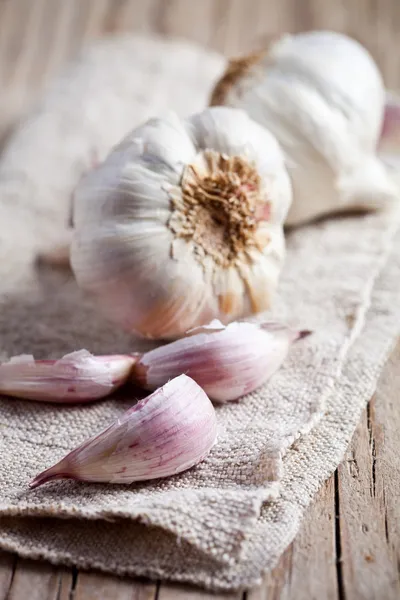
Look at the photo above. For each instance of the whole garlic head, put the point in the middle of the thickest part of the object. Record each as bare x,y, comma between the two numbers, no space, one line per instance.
322,96
183,222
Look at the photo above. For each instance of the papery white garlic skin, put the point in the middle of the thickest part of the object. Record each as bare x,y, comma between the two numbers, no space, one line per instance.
166,433
183,223
76,377
322,96
227,361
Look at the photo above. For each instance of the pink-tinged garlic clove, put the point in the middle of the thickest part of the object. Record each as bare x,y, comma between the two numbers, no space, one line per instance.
227,361
168,432
76,377
389,141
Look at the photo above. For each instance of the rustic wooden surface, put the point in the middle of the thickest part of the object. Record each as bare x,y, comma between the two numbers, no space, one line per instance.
349,545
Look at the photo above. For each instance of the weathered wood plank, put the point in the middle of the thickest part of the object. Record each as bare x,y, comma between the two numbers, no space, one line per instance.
101,586
34,580
126,16
327,15
66,584
172,592
385,426
7,567
180,18
307,570
368,554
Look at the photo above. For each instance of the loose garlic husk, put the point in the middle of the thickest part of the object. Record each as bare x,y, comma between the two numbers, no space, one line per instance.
322,96
183,223
227,361
76,377
164,434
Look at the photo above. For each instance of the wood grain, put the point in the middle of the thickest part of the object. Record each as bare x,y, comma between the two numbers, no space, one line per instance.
99,586
39,581
368,528
349,545
384,427
307,570
7,567
173,592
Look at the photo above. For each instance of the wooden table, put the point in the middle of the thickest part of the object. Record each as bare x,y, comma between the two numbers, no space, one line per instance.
349,545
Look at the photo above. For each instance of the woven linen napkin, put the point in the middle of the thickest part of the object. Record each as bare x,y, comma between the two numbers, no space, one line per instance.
224,522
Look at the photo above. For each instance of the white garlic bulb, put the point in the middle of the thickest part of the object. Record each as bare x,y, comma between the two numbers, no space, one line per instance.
322,96
182,223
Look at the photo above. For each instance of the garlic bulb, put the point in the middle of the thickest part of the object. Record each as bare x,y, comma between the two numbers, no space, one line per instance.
78,376
227,361
164,434
322,96
183,223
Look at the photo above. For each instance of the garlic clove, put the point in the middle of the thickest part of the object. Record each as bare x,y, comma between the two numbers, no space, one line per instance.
229,290
389,141
260,284
391,123
170,431
78,376
226,361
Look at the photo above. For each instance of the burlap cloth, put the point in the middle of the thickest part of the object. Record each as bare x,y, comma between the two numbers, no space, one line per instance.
223,523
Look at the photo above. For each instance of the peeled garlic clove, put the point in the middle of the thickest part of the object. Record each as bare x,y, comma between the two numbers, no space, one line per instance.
183,223
164,434
227,362
78,376
322,96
